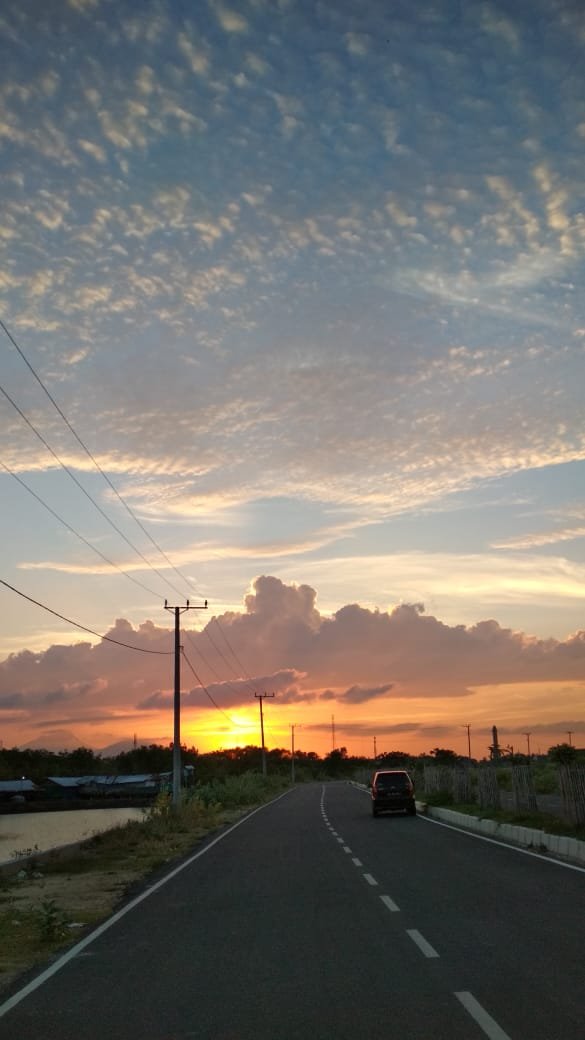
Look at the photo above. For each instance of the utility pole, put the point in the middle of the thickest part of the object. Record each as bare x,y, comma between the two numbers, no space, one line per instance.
569,733
177,701
333,732
375,751
261,697
292,753
467,726
528,735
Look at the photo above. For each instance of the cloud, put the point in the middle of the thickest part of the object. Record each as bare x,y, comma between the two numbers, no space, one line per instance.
357,694
499,26
95,150
355,657
231,21
538,539
197,56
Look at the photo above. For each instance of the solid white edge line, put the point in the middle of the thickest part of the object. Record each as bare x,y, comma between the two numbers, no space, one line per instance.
424,946
371,880
502,844
485,1022
392,906
75,950
492,841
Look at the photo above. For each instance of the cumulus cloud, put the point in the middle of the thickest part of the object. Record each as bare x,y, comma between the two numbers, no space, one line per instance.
356,657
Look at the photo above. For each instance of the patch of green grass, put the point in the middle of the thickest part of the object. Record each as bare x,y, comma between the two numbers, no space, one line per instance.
29,935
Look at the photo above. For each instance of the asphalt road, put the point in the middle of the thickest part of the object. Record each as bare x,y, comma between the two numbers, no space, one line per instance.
310,919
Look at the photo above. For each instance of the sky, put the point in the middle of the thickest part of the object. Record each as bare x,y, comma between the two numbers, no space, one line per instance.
292,303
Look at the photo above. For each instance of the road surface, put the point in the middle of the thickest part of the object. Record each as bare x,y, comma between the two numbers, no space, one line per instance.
311,920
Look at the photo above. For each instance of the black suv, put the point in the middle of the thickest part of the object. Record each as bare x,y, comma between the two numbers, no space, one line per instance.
392,789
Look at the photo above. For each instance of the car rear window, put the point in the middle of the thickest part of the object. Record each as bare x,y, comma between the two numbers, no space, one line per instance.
387,780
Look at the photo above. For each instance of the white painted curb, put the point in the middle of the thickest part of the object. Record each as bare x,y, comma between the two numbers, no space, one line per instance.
557,844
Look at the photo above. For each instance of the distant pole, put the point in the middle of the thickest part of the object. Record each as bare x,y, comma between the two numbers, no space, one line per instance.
569,733
177,700
333,732
375,751
292,754
261,697
467,726
528,735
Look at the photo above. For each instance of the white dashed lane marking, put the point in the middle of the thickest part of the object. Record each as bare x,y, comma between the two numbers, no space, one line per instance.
485,1022
424,946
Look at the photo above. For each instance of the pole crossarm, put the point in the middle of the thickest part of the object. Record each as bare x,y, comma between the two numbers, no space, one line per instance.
177,611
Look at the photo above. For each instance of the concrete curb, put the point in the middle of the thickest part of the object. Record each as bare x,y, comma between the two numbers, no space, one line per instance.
558,845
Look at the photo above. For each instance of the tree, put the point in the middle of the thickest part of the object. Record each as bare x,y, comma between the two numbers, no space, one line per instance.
336,761
444,756
563,754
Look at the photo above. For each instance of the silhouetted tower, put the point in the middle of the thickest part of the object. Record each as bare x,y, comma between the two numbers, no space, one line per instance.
494,748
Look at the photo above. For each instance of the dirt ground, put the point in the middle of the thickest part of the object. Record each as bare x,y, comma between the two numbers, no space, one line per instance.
39,913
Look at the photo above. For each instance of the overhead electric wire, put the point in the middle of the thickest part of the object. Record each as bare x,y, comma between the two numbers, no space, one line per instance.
76,533
95,462
247,681
231,649
84,628
206,691
85,492
226,682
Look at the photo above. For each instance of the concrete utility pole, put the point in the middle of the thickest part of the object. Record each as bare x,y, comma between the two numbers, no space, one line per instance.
292,752
569,733
261,697
333,732
528,735
467,726
177,700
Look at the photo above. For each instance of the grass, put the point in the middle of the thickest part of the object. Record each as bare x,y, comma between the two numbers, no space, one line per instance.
49,903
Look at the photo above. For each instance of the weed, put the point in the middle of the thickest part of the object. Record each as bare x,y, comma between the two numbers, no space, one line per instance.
25,853
52,921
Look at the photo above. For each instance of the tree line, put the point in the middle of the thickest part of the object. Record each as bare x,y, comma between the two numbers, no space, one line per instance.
38,764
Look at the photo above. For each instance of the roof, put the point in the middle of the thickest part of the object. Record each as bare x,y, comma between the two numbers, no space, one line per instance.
106,781
17,786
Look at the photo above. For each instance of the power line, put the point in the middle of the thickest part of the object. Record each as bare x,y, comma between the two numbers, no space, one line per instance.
207,693
84,628
232,651
226,682
224,658
76,533
93,459
81,488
